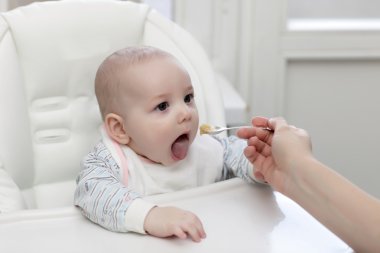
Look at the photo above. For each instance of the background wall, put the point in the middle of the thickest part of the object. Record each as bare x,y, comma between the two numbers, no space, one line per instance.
334,9
317,63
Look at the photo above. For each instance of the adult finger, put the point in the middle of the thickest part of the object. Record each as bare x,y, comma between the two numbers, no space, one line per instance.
261,146
251,153
277,123
246,132
261,133
259,176
260,122
257,122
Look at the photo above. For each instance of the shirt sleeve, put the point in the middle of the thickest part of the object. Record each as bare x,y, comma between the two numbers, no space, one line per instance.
234,161
104,199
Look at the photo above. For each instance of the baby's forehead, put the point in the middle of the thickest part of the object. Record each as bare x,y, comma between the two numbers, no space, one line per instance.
148,65
128,65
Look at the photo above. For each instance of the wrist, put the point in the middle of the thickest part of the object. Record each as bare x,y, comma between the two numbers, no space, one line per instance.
300,176
149,219
136,215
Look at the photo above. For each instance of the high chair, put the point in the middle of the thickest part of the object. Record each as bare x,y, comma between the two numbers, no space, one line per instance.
49,54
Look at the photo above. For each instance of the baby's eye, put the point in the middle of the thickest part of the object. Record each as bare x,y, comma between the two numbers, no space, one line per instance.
188,98
162,106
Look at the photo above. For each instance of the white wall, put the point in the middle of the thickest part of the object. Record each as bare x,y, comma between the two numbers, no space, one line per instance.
3,5
338,102
322,76
334,9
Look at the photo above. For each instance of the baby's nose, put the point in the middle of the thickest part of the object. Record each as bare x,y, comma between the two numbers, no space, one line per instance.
184,114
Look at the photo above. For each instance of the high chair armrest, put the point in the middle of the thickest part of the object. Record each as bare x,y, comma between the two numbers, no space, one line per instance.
10,195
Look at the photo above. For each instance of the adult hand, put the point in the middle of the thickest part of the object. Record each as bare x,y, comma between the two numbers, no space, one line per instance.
273,148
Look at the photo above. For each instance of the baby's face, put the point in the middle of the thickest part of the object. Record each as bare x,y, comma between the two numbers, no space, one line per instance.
160,115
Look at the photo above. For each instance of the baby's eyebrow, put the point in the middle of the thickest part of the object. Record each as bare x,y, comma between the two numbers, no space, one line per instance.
190,88
160,96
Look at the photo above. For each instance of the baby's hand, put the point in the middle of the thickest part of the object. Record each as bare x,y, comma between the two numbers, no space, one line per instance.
168,221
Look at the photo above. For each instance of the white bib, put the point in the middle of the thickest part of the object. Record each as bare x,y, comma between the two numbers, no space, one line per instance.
202,165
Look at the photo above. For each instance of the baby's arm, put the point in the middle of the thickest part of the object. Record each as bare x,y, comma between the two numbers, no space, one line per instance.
107,202
99,193
234,160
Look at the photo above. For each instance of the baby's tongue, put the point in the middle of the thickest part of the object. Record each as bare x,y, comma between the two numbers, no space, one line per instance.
180,147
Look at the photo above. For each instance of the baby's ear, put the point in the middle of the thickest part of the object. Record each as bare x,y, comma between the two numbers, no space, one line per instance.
115,128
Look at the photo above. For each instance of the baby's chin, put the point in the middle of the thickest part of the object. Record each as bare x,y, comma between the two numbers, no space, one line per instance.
169,161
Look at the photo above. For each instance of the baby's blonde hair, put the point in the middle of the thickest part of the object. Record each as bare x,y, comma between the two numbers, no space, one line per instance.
108,76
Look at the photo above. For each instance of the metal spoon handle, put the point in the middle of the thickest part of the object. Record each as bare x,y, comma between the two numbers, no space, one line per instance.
218,130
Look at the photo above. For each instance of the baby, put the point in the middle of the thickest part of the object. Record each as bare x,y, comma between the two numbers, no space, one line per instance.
150,145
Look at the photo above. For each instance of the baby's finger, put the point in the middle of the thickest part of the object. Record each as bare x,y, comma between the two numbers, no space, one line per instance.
193,232
197,229
179,232
200,229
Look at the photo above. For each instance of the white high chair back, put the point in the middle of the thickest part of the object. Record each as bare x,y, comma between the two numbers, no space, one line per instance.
49,54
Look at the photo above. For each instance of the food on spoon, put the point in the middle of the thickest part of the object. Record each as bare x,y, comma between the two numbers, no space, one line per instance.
206,129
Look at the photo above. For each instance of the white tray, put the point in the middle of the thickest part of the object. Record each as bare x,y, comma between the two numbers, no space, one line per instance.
237,217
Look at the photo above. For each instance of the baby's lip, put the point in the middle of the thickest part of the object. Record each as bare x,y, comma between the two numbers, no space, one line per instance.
180,146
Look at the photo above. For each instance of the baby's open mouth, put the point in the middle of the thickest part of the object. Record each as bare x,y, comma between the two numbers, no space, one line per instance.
180,147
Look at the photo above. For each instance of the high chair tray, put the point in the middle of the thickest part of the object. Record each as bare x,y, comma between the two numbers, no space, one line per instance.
237,217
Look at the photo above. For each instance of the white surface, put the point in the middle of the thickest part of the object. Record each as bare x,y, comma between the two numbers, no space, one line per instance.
237,217
234,105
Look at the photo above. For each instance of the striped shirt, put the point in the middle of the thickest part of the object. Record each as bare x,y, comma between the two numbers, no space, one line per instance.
105,199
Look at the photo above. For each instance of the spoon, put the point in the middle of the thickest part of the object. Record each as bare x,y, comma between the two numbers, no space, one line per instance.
213,130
